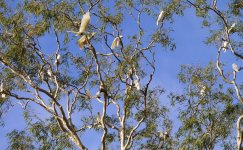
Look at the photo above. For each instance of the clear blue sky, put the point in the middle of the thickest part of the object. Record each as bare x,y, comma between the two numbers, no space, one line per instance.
188,36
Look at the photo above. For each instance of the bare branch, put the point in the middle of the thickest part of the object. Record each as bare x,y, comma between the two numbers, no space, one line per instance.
129,140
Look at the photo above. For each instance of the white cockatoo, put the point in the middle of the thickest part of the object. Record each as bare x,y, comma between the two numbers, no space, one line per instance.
3,95
1,90
225,46
98,118
232,27
1,87
163,135
235,67
160,17
58,59
137,84
203,90
84,24
116,42
41,75
83,41
49,72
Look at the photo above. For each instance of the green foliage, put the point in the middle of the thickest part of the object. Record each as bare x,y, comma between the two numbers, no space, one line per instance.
20,140
44,135
70,92
236,7
205,109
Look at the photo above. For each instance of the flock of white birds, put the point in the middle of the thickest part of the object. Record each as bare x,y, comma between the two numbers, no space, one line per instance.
225,47
86,37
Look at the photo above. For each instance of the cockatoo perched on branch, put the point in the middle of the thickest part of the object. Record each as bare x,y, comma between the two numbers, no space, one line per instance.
83,40
163,135
235,67
137,84
116,42
232,27
49,72
160,17
203,90
84,24
58,59
41,74
1,90
98,118
225,45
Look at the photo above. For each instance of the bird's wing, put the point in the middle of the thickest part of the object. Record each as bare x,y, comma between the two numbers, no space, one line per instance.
114,43
84,23
118,42
81,42
91,36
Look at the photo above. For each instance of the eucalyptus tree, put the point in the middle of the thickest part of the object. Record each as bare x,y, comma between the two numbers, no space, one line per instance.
224,19
90,65
59,56
207,110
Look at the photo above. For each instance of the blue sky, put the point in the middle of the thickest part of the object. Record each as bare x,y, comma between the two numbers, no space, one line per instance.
188,35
